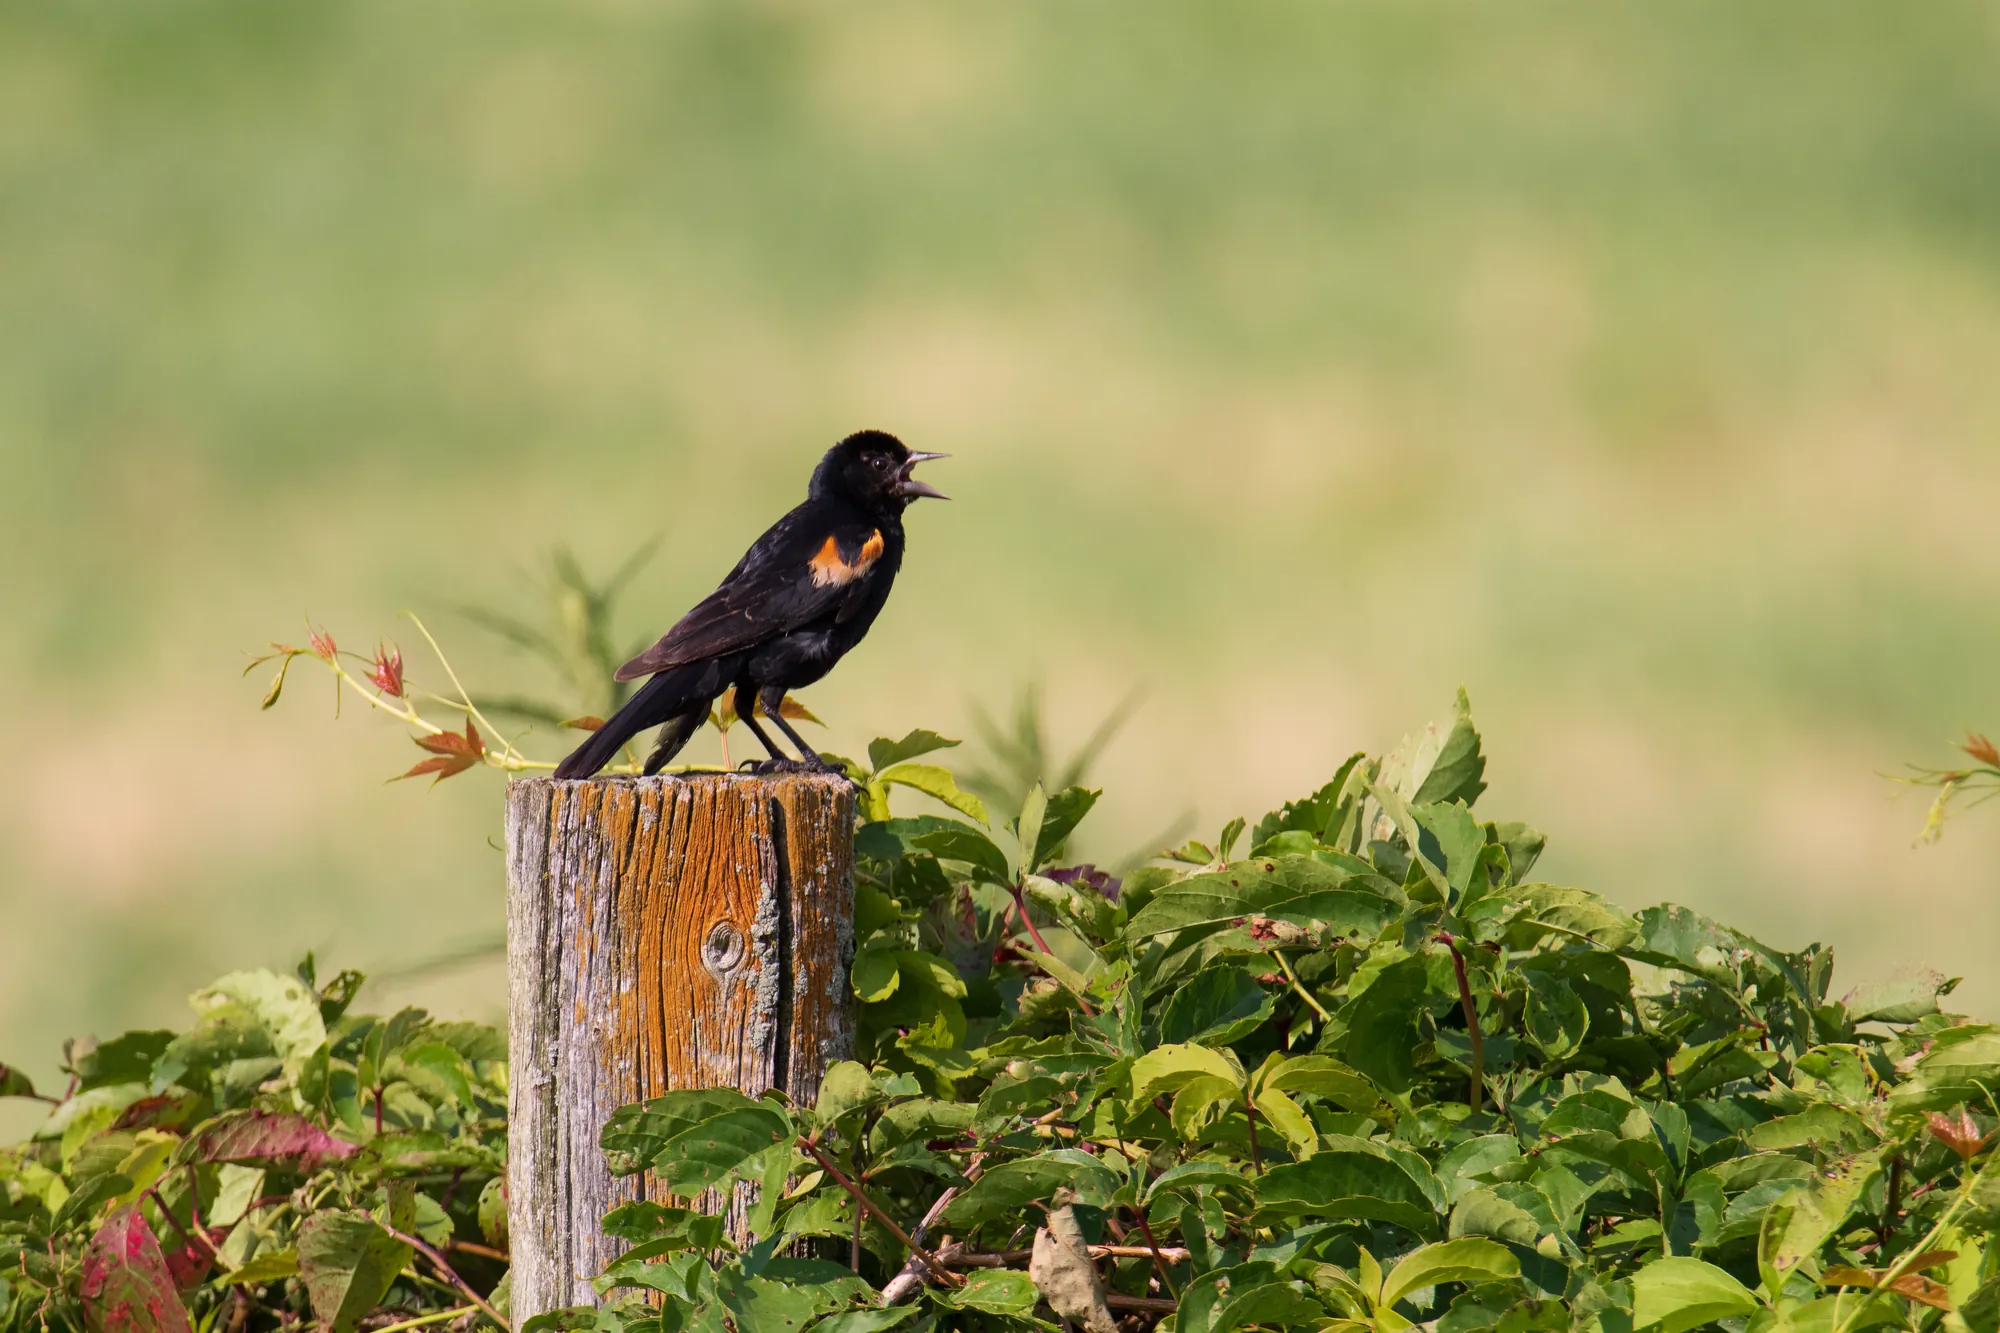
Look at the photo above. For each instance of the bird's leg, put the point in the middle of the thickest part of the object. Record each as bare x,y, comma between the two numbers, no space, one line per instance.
772,700
746,712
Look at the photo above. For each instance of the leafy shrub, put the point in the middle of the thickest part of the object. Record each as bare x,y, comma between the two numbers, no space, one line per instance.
281,1160
1352,1068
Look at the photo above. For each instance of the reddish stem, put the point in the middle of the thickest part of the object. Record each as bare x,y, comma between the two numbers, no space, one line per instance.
938,1270
1471,1009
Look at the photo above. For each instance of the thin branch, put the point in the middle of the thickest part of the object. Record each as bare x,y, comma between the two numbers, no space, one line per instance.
482,1251
1477,1037
450,1273
905,1284
1008,1258
1143,1304
930,1260
437,1318
1159,1255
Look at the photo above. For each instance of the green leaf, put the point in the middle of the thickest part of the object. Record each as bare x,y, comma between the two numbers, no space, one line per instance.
126,1059
1673,1295
1471,1260
998,1291
1553,909
1013,1185
439,1069
1949,1074
1341,1183
285,1007
1453,771
1904,1000
1219,1004
1556,1017
939,783
864,1321
1323,1076
14,1083
758,1305
1168,1069
1452,840
1798,1224
1384,1025
1065,810
1273,1304
634,1135
707,1153
1299,889
1482,1212
348,1264
1028,827
883,752
962,842
875,974
1189,1177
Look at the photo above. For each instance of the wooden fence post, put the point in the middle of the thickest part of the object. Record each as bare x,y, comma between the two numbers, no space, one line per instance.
662,933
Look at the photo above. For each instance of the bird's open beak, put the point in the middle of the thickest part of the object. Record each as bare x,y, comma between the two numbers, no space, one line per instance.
910,488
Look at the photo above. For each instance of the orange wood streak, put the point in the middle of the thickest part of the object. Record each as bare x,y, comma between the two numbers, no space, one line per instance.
829,567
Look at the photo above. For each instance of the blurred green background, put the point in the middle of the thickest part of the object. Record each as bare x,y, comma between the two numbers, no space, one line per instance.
1633,366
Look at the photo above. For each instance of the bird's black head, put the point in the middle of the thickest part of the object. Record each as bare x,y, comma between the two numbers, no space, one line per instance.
872,468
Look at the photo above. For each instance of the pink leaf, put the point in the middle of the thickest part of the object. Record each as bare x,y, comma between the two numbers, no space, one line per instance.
265,1137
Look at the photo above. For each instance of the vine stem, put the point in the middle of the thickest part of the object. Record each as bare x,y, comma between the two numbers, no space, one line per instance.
938,1270
1250,1117
438,1318
1285,966
1159,1259
1465,1000
472,709
438,1262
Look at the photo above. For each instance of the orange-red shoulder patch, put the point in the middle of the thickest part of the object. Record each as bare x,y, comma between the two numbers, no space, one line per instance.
831,569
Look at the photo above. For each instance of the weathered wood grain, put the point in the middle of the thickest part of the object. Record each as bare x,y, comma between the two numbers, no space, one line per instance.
662,933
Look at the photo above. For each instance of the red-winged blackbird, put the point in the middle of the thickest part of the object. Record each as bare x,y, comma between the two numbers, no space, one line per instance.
805,593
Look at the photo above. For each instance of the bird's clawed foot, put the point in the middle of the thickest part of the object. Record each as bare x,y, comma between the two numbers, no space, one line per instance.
765,768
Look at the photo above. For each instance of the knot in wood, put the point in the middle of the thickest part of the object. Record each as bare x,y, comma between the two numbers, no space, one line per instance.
723,949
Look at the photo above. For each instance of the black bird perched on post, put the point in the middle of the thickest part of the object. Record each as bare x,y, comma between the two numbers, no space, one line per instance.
803,595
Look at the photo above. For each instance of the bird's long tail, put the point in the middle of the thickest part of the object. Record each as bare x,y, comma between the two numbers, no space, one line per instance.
672,697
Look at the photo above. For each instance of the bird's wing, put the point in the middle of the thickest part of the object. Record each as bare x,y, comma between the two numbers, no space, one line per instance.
798,572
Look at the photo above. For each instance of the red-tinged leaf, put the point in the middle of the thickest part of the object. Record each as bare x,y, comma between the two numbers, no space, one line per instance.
1959,1132
163,1112
1982,749
189,1265
585,723
1913,1285
468,746
444,766
387,675
127,1287
723,716
323,645
793,708
265,1138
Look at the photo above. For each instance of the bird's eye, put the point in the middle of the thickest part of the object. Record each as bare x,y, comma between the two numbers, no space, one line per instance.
879,461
